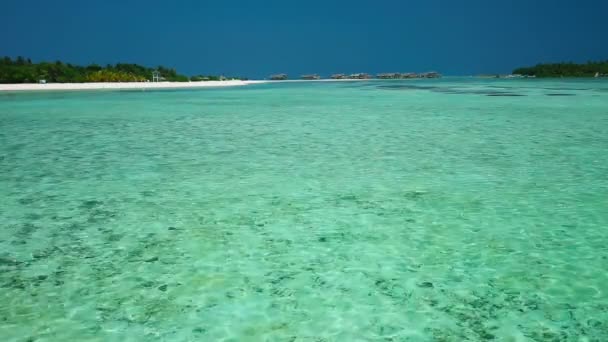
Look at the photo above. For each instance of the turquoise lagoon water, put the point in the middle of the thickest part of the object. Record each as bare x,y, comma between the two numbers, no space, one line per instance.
442,210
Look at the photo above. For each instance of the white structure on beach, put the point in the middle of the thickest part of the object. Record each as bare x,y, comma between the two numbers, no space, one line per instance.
156,76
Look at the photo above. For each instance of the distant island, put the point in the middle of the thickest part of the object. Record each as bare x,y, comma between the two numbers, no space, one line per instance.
589,69
22,70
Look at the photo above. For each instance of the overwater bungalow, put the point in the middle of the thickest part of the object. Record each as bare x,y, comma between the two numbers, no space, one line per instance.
409,75
311,77
431,74
396,75
389,76
359,76
339,76
278,77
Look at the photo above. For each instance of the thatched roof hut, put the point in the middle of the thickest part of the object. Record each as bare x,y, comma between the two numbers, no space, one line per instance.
359,76
389,76
311,77
431,74
278,77
409,75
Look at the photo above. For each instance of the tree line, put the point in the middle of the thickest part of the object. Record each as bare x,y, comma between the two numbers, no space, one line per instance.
589,69
22,70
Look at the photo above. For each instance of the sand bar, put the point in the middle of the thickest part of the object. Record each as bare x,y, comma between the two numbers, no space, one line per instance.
122,85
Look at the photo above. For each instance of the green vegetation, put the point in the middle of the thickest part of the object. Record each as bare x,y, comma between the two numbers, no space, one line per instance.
589,69
113,76
22,70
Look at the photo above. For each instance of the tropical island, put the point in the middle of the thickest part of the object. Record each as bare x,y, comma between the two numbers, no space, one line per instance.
23,70
589,69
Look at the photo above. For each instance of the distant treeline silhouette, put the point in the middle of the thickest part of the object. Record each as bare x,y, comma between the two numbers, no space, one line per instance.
589,69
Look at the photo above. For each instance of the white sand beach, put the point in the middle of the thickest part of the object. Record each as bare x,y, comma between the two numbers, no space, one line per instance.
122,85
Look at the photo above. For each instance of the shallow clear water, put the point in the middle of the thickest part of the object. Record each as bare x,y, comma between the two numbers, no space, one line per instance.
428,210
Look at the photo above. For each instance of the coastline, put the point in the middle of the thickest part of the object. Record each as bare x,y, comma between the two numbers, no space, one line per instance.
26,87
122,85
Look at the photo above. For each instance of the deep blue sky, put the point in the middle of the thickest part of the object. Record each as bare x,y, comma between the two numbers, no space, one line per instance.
256,38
